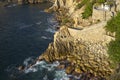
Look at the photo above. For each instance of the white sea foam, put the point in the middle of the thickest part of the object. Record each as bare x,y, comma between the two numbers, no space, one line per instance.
45,77
12,5
42,11
44,37
27,61
50,30
41,65
51,20
38,23
52,25
25,26
61,75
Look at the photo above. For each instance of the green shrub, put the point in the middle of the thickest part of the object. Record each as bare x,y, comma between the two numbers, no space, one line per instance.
100,1
80,5
65,20
88,7
114,46
88,11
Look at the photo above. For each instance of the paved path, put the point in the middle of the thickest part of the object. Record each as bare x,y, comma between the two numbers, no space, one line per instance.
94,33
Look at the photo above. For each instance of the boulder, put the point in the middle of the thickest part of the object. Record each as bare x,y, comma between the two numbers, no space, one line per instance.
69,69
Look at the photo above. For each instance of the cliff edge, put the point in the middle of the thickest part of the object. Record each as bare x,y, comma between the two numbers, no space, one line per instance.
82,46
85,50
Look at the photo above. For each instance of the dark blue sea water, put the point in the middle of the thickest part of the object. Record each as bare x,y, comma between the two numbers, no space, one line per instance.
25,32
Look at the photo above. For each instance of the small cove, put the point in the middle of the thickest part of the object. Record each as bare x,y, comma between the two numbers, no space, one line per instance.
25,31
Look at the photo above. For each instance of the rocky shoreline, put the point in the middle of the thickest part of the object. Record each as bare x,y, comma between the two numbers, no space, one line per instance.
82,50
85,51
83,57
20,2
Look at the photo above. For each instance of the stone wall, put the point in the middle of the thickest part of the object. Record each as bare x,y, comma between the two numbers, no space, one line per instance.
101,15
118,5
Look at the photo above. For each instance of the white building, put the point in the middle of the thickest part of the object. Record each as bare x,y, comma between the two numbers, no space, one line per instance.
105,7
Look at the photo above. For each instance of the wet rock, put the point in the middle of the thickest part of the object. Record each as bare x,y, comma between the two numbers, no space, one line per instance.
69,69
62,66
78,70
83,56
21,68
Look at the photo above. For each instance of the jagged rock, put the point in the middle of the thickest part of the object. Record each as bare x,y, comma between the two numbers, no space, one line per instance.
62,66
69,69
48,10
20,1
85,48
78,70
83,55
21,68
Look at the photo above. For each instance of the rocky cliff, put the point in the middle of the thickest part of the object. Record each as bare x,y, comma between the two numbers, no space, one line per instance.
99,13
83,47
85,50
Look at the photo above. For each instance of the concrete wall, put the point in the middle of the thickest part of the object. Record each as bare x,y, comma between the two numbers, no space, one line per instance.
100,15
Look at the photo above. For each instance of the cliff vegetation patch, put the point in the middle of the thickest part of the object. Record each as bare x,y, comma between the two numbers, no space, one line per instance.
113,25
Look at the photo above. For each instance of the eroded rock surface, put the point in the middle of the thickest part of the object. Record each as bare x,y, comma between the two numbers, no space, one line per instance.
85,55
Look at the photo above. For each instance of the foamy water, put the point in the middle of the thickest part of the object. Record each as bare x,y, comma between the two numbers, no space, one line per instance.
11,5
38,23
50,30
25,26
42,65
53,24
25,29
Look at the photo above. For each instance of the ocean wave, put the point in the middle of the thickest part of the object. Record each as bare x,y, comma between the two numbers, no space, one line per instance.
51,20
10,68
61,75
11,5
44,37
38,23
46,71
53,24
25,26
50,30
40,65
45,77
13,67
28,60
13,72
42,11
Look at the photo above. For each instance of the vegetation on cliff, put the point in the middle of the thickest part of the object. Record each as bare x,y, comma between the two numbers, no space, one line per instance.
88,7
114,47
81,4
88,10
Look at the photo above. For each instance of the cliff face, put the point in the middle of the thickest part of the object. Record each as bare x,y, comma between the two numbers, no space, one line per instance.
83,54
99,13
84,48
68,4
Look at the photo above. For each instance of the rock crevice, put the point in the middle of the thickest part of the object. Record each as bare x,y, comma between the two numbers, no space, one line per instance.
84,56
